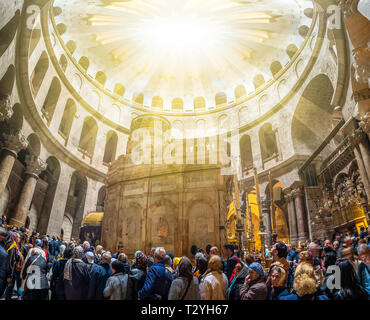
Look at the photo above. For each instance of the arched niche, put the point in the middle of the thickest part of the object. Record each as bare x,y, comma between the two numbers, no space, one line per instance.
39,72
51,100
258,81
62,28
268,143
84,63
199,104
312,117
177,105
88,137
71,46
240,92
157,102
67,118
63,62
275,67
246,155
110,147
119,89
101,77
220,98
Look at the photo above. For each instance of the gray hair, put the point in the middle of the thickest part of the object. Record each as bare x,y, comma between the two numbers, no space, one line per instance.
363,249
90,257
160,253
167,260
336,242
86,244
106,257
77,252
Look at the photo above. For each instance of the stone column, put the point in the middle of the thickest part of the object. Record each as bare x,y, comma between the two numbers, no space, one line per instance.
360,144
293,231
300,212
34,166
13,144
266,211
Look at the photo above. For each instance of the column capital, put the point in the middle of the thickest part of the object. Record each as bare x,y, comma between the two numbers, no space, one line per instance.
15,142
297,192
365,123
6,110
356,137
34,165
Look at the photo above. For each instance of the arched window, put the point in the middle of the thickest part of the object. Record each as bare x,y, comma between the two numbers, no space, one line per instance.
291,50
88,137
220,98
177,104
275,67
258,81
138,98
57,11
84,62
157,102
246,153
119,89
240,92
63,62
39,72
51,100
303,30
268,143
110,147
7,33
62,28
67,119
199,104
101,77
71,46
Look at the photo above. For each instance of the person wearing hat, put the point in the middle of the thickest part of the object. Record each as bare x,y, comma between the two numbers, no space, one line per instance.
254,287
137,275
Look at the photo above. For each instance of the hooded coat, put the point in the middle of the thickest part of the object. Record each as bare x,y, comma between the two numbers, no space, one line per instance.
78,287
256,290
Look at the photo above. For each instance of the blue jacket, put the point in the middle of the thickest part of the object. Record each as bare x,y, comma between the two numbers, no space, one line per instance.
3,268
364,277
54,248
293,256
294,296
230,266
279,294
157,283
98,280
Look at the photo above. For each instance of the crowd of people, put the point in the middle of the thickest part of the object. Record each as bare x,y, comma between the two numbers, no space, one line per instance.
34,267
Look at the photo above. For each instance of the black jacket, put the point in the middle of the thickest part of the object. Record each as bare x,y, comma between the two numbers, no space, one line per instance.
3,268
136,280
78,288
57,280
36,274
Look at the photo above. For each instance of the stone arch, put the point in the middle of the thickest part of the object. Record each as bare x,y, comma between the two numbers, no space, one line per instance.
246,155
35,38
7,81
88,136
110,147
7,33
291,50
157,102
202,222
268,142
119,89
177,104
162,224
220,98
84,62
240,92
258,81
102,194
275,67
101,77
71,46
66,228
312,117
39,72
76,201
67,118
63,62
51,100
50,175
199,104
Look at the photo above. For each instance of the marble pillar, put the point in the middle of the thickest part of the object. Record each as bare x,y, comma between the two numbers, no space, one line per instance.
266,211
293,231
12,145
300,212
34,166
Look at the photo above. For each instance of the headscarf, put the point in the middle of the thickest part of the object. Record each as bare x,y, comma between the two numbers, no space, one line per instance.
282,273
30,253
214,264
141,261
176,262
255,266
62,248
242,274
136,253
12,243
185,269
76,257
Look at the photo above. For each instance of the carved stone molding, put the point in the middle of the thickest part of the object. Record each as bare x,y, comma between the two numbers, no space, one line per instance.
365,123
348,7
297,192
356,137
15,142
6,110
34,165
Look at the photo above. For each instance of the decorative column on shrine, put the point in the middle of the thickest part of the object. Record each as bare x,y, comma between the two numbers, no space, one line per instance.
289,198
300,212
13,143
266,211
34,166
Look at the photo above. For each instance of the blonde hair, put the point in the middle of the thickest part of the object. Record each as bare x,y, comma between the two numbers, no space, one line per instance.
214,264
304,279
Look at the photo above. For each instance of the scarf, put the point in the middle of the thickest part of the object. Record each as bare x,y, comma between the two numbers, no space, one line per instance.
76,257
242,274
